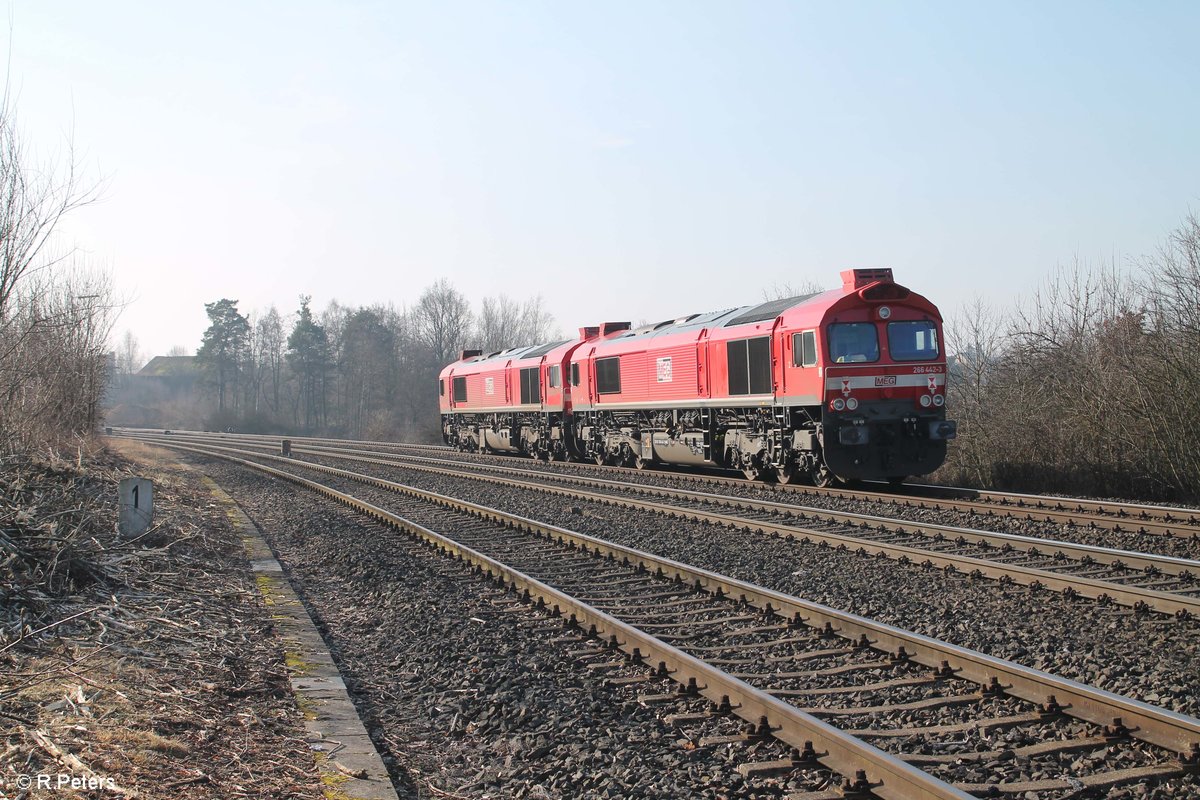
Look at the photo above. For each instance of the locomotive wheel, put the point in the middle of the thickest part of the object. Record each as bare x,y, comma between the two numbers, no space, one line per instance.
629,458
752,472
822,477
790,473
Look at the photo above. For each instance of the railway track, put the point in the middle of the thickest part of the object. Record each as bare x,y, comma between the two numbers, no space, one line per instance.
1098,514
898,714
1145,582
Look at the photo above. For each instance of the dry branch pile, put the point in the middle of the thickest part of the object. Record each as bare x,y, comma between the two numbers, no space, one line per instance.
143,666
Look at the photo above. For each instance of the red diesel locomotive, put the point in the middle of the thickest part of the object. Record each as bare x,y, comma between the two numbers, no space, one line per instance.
842,385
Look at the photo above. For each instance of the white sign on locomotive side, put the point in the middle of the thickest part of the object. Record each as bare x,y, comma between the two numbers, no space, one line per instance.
489,386
663,369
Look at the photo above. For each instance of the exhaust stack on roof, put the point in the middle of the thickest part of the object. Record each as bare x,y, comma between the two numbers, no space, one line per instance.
855,279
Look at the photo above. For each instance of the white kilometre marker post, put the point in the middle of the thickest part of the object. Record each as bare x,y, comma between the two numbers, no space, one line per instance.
135,502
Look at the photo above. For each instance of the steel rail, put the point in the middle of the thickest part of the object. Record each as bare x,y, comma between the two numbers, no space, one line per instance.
1103,591
1036,546
1167,729
1103,555
1180,522
1117,508
1109,515
887,775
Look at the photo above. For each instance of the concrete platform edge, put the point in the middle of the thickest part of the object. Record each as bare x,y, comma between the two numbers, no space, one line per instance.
350,766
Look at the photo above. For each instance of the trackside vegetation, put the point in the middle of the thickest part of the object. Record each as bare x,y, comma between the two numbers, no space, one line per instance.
1091,386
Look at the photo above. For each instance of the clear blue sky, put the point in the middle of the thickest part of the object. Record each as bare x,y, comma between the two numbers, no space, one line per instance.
628,160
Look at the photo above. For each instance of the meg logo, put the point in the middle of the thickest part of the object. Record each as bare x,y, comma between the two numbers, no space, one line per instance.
885,380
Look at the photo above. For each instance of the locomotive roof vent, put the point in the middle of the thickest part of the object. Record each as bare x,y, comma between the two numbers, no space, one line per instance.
855,279
465,354
590,332
607,328
884,291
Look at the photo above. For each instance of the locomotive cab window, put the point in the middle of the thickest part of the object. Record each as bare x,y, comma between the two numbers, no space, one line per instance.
912,341
441,388
460,390
749,365
804,349
853,342
574,374
531,386
608,375
554,376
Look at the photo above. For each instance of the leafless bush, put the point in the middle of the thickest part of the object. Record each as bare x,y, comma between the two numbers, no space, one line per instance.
54,361
1092,386
1168,381
54,318
975,337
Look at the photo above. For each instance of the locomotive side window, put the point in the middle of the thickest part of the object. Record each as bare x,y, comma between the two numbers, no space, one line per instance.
442,388
531,386
555,379
749,365
804,349
912,341
608,375
853,342
460,390
574,374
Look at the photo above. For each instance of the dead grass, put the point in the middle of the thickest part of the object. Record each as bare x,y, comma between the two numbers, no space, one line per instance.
152,665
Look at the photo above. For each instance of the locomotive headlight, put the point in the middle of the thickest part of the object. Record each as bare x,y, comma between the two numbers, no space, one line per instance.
838,404
851,403
884,312
926,401
854,434
943,429
939,400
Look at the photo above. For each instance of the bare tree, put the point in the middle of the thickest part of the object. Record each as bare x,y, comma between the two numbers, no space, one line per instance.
442,319
504,322
270,345
786,289
129,355
177,351
54,317
33,201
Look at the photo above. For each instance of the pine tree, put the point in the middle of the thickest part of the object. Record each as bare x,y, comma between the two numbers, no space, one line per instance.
223,348
308,356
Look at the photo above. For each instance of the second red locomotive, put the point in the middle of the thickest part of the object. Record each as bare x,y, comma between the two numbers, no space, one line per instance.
846,384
